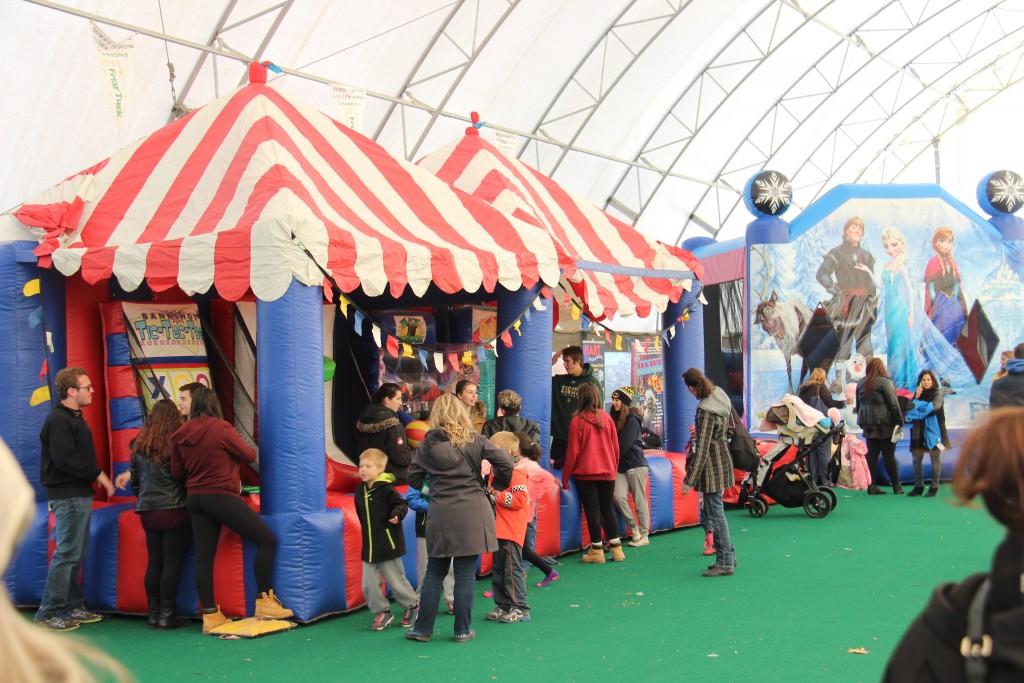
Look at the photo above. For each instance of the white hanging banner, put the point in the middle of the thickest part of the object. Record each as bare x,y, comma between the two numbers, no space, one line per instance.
117,61
350,104
506,142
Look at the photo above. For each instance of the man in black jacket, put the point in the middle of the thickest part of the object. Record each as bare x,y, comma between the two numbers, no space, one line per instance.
67,468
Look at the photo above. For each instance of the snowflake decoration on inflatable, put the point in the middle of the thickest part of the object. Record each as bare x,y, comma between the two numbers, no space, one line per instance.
772,193
1006,191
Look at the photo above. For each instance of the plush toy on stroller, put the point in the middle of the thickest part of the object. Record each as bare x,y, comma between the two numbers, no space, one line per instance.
782,475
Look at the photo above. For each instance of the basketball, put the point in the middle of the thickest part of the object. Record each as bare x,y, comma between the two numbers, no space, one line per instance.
415,431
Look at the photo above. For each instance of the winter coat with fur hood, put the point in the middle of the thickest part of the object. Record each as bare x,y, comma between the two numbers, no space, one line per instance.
379,427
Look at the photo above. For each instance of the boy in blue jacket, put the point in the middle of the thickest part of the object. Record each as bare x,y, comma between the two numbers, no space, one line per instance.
381,509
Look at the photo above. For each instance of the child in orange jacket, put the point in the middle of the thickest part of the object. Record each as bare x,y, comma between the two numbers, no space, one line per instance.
512,515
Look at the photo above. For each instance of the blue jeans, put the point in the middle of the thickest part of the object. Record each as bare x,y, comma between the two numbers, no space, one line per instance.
71,535
430,593
714,512
530,541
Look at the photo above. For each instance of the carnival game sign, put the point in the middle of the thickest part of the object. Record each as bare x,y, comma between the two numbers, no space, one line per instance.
168,349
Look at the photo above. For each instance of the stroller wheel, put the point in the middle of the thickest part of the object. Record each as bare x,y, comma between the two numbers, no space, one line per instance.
833,498
758,507
816,504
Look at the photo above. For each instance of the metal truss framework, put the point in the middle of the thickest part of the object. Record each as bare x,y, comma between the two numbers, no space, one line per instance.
905,71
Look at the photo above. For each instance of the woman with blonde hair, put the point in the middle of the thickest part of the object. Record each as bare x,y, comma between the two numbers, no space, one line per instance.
975,626
815,394
467,392
460,525
29,653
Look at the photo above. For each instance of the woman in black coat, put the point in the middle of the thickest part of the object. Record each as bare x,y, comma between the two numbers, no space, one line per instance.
878,415
989,467
378,426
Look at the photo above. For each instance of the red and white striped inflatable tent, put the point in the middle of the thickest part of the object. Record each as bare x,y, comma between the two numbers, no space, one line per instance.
231,194
617,270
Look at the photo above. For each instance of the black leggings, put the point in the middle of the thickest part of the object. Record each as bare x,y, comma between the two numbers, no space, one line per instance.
208,512
596,497
531,556
888,451
166,554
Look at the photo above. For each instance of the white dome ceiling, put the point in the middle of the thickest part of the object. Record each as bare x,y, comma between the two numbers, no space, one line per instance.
656,110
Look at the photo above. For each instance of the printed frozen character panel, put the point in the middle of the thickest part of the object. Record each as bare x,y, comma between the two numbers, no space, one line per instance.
913,281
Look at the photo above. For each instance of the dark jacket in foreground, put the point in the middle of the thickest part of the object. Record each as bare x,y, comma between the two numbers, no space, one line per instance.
376,504
378,427
461,519
930,649
154,485
709,464
512,423
67,462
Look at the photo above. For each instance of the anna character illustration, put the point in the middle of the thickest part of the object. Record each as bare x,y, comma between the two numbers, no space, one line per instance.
944,302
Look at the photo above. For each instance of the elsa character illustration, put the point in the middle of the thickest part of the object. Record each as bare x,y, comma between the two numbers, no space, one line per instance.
897,295
944,302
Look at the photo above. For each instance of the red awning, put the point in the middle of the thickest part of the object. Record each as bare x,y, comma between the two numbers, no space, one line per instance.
618,270
235,193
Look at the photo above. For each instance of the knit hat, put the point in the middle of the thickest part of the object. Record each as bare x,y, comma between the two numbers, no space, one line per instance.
625,395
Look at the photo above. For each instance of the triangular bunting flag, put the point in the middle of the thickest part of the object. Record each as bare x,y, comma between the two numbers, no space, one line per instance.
439,361
406,351
506,339
392,346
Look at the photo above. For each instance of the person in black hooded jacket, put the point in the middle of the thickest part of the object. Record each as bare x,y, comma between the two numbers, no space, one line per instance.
378,427
937,647
633,467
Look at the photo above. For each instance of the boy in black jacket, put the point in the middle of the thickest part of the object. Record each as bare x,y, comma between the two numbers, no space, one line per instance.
381,509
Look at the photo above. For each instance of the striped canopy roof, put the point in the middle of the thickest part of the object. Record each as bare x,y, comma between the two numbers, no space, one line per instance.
234,195
618,270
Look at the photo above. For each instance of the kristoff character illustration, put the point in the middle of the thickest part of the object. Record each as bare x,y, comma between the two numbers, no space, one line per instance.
846,274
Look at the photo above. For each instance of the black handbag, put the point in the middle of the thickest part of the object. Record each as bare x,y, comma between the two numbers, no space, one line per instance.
819,344
742,448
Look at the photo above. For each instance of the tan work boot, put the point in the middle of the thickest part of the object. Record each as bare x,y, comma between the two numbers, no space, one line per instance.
594,555
269,607
617,554
212,620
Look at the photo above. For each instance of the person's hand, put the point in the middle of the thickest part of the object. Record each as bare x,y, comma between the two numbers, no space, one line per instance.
861,266
917,394
393,520
122,480
686,489
104,481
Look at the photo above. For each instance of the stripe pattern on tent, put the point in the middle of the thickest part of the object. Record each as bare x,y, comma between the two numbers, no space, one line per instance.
229,196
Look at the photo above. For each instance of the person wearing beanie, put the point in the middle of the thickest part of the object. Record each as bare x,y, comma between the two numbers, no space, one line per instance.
631,478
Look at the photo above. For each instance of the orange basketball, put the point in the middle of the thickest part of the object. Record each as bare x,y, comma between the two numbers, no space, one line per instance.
415,431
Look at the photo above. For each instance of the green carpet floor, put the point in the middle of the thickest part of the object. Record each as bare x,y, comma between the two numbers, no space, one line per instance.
805,593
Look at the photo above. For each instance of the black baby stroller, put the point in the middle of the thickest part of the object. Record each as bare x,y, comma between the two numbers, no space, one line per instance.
783,477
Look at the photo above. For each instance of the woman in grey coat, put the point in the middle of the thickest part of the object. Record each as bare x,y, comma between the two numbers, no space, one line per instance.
460,522
709,466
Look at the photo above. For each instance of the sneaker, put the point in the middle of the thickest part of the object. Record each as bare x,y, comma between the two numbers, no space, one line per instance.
495,614
465,637
409,616
382,621
413,634
636,543
488,594
553,576
709,543
83,616
513,616
58,623
633,534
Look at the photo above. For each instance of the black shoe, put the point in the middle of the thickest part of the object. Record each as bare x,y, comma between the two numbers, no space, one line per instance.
168,618
897,490
718,571
916,491
875,491
932,490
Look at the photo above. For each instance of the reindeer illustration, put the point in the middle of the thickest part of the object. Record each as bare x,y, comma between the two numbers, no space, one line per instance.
784,322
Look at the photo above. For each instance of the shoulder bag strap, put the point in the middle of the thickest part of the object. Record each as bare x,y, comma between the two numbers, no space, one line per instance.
976,646
475,470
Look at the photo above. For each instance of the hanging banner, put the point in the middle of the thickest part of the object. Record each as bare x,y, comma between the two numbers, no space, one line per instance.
117,62
349,104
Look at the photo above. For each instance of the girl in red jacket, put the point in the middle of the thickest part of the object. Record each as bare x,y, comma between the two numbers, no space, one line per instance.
592,460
